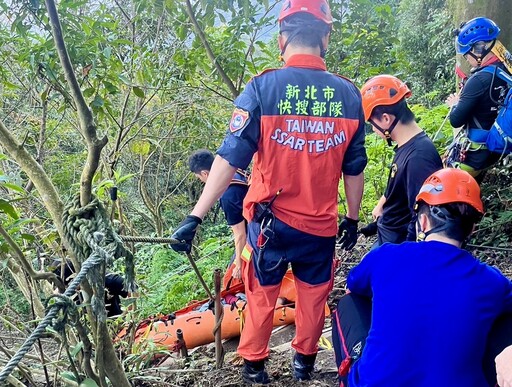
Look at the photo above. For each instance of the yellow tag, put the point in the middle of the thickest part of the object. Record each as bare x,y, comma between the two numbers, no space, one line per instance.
503,54
247,253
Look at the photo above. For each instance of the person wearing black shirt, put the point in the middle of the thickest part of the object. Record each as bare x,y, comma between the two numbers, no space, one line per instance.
114,285
415,158
475,108
231,202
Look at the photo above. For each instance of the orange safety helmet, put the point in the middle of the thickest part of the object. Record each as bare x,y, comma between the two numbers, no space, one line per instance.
450,185
382,90
318,8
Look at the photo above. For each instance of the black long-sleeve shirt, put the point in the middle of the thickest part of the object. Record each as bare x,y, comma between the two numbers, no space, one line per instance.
476,108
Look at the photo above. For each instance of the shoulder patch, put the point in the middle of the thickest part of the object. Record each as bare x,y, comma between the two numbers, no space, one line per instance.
238,120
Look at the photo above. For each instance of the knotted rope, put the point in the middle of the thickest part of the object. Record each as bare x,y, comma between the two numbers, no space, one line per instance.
81,222
98,256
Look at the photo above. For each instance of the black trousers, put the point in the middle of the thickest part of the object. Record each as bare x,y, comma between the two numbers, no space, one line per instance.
352,320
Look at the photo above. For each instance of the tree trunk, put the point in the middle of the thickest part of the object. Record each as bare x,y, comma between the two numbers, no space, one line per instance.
499,11
110,363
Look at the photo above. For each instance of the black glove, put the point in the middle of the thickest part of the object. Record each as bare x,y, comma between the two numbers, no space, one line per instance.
347,232
369,230
185,233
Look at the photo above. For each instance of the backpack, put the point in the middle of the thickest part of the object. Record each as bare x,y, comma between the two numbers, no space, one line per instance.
499,138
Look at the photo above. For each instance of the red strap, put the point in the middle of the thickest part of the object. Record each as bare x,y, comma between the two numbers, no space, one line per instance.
347,362
261,240
345,366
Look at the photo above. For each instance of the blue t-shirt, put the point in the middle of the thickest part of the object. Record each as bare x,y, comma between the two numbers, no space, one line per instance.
433,306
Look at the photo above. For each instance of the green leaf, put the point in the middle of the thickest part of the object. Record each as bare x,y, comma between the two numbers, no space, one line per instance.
89,92
107,52
28,237
111,88
68,375
77,349
88,383
97,102
7,208
14,187
125,177
138,92
125,80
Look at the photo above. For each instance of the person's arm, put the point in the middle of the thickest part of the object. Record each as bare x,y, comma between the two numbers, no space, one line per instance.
236,151
240,235
359,278
354,186
377,211
462,107
504,367
354,163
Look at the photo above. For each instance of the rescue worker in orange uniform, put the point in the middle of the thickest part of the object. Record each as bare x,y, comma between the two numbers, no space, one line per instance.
305,128
416,157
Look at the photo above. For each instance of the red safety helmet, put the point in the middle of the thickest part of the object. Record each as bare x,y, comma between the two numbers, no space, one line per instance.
450,185
382,90
318,8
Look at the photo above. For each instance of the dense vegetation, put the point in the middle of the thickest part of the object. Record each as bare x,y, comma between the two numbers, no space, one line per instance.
159,78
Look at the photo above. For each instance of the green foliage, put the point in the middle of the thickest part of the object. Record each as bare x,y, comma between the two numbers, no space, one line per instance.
495,229
169,283
364,39
10,296
426,43
435,122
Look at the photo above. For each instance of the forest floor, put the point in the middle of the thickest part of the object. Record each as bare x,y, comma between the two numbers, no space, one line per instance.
199,368
202,370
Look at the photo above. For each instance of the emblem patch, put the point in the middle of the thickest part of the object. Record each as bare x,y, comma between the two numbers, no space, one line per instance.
238,120
394,170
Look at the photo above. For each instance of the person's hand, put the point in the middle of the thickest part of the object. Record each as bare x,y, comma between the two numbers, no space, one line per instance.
379,208
185,233
347,232
237,271
369,230
452,100
504,367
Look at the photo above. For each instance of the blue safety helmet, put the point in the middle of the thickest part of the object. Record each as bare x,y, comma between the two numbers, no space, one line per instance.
479,29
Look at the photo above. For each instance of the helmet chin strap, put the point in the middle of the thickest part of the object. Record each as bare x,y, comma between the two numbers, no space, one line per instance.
484,52
387,132
441,215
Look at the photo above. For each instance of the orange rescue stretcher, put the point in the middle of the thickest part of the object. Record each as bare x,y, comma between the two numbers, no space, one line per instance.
197,324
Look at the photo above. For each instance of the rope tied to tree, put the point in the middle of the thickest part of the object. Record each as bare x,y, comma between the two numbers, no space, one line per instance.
81,222
66,307
97,258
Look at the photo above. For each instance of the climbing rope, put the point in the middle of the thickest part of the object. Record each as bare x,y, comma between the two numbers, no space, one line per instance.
481,247
170,241
98,256
79,222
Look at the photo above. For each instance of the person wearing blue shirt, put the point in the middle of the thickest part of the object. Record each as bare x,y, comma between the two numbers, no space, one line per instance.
432,303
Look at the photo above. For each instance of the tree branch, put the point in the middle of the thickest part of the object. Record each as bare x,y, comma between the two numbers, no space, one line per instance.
209,51
87,126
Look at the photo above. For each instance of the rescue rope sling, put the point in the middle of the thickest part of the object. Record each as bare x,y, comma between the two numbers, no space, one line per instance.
94,243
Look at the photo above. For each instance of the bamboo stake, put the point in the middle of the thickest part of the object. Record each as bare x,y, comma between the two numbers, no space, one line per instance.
219,314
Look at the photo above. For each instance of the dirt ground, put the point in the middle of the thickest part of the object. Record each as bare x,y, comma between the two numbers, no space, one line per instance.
199,368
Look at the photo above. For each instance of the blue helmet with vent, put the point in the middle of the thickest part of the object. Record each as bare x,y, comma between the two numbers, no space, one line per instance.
479,29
